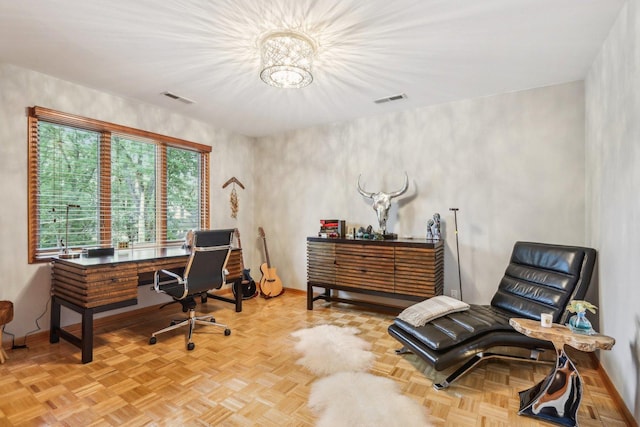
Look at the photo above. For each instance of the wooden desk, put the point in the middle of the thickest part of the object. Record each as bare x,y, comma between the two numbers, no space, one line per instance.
94,285
558,396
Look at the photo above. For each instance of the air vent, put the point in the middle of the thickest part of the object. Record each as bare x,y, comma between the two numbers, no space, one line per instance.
178,98
391,98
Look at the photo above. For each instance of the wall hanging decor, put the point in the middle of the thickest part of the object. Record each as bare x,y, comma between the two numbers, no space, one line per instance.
233,199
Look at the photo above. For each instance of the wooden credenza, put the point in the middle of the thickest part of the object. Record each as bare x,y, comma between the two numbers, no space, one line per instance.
404,269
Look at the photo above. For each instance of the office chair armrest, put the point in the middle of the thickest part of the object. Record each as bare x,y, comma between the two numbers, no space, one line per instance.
174,278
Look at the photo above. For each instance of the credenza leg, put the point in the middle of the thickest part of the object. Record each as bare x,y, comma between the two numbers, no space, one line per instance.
309,296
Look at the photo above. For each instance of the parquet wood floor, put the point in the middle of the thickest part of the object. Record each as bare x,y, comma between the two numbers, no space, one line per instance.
249,378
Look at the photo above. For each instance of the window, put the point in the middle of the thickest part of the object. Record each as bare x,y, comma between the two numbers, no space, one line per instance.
98,184
183,203
133,190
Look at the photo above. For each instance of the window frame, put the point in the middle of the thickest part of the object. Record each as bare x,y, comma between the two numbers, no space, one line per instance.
106,130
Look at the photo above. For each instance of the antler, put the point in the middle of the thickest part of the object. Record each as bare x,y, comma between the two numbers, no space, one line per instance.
404,188
364,193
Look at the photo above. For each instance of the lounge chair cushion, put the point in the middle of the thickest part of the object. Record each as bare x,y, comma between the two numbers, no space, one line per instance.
454,328
427,310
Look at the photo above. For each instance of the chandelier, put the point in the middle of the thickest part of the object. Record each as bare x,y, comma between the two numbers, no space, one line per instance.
286,59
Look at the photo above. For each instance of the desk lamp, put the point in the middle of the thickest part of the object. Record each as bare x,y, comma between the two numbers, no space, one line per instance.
66,254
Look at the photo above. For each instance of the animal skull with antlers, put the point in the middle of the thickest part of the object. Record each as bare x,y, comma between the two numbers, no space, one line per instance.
382,202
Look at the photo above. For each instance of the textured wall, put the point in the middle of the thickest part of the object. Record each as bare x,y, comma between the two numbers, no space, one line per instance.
513,163
28,285
612,97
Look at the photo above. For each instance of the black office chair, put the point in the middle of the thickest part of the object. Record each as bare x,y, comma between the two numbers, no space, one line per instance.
205,270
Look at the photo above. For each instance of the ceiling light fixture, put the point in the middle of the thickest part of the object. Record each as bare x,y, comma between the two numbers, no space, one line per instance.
287,57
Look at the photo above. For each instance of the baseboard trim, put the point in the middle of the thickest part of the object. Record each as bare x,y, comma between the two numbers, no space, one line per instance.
611,388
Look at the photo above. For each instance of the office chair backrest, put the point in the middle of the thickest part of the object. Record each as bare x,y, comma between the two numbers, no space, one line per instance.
209,238
208,259
543,278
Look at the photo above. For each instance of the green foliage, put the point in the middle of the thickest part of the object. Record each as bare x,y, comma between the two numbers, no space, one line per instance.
69,174
133,190
580,306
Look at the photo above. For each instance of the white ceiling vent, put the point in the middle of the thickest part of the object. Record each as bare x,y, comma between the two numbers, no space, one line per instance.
178,98
397,97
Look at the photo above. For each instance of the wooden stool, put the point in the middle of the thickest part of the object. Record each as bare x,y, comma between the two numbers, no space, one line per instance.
6,316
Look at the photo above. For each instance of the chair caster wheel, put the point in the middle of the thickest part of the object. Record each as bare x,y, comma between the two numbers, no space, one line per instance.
227,332
191,346
152,340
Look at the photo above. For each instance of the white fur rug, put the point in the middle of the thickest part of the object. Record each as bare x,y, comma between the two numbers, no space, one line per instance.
353,399
327,349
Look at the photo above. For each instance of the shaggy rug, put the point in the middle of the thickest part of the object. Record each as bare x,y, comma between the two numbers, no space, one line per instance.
327,349
360,399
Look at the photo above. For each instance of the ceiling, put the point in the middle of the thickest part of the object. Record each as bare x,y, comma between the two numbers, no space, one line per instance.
434,51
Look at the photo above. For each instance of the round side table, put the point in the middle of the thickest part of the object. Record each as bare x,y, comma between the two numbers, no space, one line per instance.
557,397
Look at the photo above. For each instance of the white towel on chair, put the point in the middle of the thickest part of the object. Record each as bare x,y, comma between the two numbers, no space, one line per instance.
421,313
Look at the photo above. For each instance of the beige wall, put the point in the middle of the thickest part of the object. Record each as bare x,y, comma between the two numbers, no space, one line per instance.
613,205
28,285
512,163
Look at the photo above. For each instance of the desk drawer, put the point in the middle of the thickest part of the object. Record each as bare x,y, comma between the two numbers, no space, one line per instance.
165,264
89,287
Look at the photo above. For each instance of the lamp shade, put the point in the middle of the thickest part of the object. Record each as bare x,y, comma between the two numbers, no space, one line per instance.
287,58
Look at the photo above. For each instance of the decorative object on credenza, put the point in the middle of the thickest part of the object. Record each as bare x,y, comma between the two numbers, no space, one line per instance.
333,228
66,253
382,202
430,229
437,235
233,199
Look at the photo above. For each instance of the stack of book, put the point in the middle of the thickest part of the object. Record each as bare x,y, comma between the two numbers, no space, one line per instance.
335,228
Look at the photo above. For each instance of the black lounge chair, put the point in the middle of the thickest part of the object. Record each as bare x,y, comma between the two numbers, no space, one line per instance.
540,278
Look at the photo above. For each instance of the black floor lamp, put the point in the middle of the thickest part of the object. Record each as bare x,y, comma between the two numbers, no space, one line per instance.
455,218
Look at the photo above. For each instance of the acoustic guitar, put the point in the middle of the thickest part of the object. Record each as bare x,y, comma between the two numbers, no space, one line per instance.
270,283
247,285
